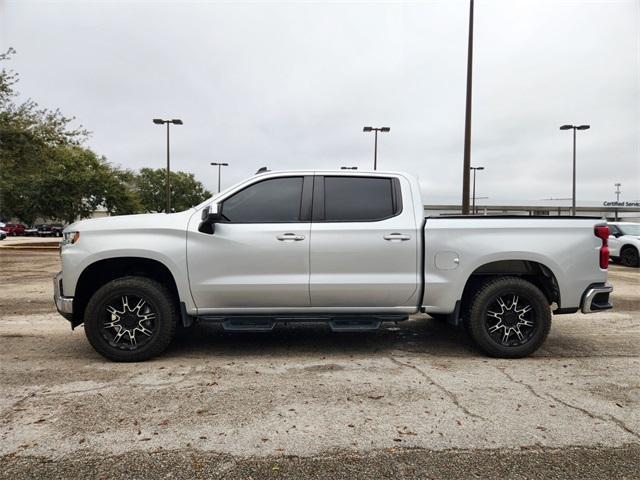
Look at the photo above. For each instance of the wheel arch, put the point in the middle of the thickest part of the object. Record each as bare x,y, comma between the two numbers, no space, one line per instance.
535,272
103,271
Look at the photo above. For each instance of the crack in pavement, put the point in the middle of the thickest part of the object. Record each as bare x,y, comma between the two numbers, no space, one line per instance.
590,414
546,396
452,396
520,382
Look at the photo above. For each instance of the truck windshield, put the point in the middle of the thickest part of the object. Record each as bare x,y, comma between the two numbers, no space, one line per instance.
630,229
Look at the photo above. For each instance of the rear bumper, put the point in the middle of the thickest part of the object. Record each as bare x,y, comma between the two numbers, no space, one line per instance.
596,298
64,305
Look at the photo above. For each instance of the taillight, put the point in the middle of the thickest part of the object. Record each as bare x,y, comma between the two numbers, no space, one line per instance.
602,232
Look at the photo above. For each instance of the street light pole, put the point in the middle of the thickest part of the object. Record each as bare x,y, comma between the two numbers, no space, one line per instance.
219,171
473,208
617,185
573,186
175,121
375,147
573,190
375,151
168,182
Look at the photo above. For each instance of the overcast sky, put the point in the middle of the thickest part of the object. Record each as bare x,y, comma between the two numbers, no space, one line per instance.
291,84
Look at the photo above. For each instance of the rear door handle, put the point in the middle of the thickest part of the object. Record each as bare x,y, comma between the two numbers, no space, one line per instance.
398,237
291,237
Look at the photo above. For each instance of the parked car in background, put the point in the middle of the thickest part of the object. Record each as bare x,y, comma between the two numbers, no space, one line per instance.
14,229
624,243
3,234
32,231
50,230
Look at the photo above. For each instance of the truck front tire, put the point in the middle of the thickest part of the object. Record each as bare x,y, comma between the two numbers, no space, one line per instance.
509,318
131,319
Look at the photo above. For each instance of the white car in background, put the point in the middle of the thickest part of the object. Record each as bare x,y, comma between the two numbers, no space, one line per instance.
624,243
3,234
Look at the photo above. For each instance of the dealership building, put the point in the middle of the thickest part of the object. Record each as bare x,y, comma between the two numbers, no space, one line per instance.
612,211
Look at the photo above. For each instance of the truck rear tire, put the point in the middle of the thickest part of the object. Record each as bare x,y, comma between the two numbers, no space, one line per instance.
509,318
131,319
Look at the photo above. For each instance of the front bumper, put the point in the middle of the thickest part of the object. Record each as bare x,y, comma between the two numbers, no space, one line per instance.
63,304
596,298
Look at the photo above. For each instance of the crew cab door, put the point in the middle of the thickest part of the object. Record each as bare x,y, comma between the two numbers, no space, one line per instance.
364,250
258,255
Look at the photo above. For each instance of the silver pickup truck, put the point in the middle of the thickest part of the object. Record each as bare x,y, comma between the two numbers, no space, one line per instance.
351,249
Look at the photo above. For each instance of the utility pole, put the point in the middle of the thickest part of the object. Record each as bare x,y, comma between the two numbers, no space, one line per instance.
466,167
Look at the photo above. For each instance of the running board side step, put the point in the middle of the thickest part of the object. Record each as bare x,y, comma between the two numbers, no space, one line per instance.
253,324
337,323
354,324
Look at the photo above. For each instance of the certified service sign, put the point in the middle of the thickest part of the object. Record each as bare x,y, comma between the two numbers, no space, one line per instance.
621,204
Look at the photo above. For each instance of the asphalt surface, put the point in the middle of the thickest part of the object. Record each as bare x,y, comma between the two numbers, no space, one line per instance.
409,401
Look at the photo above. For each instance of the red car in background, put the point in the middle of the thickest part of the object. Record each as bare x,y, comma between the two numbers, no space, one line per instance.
14,229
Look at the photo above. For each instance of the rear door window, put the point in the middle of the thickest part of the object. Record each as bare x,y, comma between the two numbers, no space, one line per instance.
359,199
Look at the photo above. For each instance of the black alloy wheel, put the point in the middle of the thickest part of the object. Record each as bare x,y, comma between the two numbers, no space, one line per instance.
510,321
128,322
131,319
509,317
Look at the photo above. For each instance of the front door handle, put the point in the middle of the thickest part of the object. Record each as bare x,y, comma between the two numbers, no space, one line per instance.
398,237
291,237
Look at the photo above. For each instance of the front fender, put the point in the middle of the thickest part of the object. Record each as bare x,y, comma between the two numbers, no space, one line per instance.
165,247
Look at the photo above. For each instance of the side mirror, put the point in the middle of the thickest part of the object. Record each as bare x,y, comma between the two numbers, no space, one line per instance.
210,215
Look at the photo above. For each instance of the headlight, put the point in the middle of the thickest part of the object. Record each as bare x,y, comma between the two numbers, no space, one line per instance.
69,238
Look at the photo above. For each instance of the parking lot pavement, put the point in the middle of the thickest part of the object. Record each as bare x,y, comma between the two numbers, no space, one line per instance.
30,243
412,400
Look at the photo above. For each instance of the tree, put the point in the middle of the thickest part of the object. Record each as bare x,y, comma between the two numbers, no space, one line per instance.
46,172
120,196
76,183
186,191
44,169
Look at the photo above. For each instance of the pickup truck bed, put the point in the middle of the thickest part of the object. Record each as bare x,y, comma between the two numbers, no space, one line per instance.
541,247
